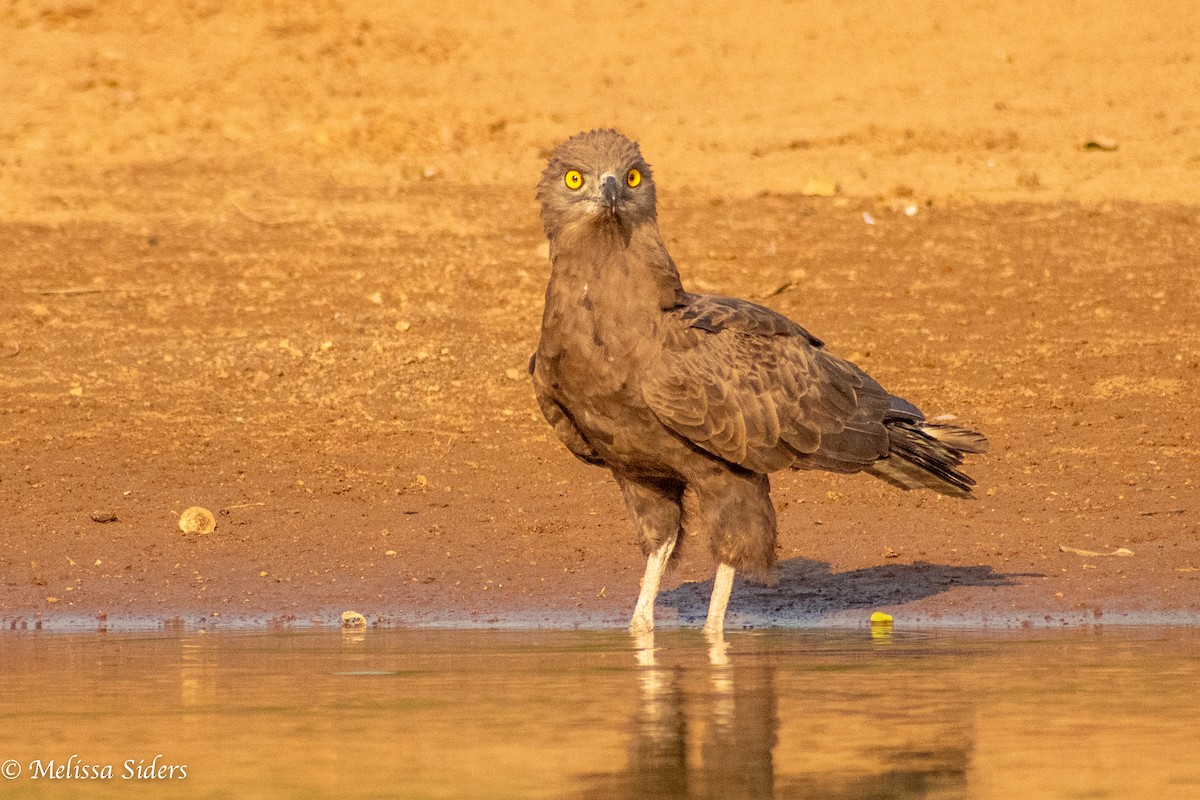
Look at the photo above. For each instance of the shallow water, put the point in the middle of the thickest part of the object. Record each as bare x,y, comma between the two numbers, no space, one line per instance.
464,714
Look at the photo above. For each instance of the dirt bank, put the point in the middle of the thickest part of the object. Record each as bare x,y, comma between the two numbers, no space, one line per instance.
286,265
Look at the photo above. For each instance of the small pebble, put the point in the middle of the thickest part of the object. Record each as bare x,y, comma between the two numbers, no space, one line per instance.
353,619
1106,143
819,187
197,520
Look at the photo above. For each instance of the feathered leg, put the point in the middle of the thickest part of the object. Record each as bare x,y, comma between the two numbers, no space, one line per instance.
734,508
656,510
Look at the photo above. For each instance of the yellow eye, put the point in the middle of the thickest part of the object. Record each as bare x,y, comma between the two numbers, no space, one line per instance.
573,179
633,178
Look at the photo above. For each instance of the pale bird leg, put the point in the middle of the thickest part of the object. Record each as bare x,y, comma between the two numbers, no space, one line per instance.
643,646
722,586
656,565
718,648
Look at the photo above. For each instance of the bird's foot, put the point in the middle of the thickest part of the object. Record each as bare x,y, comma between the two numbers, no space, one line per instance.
641,623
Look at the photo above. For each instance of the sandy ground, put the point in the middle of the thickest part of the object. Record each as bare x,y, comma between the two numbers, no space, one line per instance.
286,264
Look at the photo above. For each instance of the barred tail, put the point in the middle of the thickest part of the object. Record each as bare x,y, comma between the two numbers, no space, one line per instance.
926,455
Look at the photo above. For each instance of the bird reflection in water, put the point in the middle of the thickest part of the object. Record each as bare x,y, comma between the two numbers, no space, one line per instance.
736,730
743,727
713,732
658,750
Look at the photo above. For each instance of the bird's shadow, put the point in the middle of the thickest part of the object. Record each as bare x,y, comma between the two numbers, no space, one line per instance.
806,590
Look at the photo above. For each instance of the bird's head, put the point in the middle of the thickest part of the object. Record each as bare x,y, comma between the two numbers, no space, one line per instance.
597,176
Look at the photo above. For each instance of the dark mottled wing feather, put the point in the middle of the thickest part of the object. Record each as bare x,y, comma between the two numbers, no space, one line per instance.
754,388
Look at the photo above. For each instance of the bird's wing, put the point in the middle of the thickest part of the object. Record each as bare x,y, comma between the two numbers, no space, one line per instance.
564,427
754,388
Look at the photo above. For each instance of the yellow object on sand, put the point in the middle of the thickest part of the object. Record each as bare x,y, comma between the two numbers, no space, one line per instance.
197,519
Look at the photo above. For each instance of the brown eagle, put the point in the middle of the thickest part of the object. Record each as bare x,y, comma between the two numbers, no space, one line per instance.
677,392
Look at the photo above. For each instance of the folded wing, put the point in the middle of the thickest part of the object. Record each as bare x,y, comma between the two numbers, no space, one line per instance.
751,387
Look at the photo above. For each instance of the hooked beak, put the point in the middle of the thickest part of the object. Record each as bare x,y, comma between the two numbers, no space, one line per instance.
610,191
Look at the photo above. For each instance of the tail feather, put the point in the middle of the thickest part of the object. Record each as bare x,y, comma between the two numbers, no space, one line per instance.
925,455
963,440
